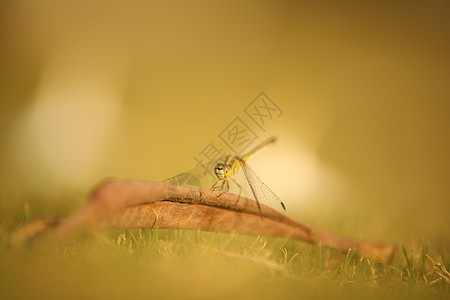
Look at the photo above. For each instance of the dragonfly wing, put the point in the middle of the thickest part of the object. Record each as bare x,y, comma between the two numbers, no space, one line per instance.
185,179
261,191
201,176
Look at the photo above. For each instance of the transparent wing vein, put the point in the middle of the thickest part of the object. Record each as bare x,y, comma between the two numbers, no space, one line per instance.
261,191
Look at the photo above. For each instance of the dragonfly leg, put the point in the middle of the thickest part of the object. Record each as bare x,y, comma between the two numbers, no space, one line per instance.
227,183
240,190
220,187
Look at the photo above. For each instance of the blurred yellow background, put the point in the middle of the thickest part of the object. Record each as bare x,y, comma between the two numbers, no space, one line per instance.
137,89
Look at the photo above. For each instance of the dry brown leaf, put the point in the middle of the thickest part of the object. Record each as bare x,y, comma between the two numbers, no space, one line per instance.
118,203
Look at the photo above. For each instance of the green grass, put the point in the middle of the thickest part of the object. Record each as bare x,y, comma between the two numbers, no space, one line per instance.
172,264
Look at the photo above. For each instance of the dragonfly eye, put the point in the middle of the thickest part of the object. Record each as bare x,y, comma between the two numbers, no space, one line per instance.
219,169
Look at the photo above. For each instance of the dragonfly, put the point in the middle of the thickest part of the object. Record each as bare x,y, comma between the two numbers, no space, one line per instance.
225,170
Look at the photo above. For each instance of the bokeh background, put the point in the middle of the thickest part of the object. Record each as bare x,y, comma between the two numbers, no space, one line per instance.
137,89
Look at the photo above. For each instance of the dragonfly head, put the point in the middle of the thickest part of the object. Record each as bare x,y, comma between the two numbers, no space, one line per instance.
222,170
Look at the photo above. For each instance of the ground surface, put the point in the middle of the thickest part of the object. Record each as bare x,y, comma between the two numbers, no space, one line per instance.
137,264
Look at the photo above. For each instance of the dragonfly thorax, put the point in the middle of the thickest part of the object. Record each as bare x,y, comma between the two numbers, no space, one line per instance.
222,171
